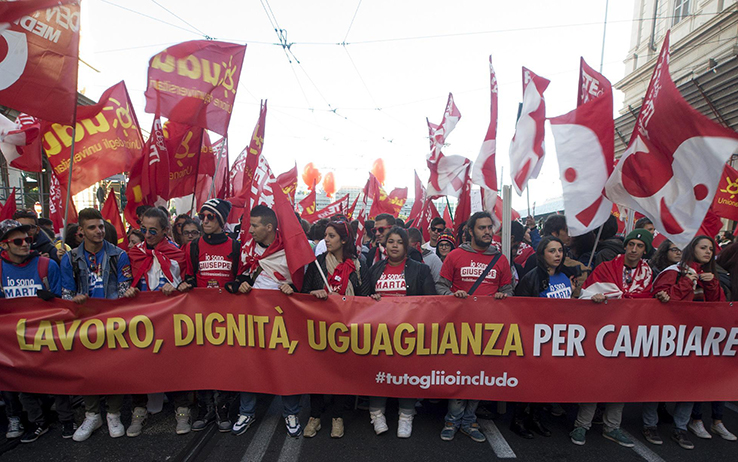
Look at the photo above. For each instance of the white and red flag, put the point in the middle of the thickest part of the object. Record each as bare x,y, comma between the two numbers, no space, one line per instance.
205,188
585,149
38,62
438,133
419,199
57,199
526,149
243,168
446,172
484,170
672,167
20,142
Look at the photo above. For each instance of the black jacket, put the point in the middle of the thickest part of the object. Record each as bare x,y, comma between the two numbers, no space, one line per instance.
418,279
314,281
607,250
533,283
42,244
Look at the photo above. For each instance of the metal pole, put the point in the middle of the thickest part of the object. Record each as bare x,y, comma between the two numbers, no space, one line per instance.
197,171
506,220
604,34
594,249
69,181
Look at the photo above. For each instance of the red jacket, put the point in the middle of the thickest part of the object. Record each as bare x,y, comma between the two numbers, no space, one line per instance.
679,287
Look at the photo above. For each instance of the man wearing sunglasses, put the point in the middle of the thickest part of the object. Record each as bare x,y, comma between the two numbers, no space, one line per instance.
382,225
97,269
211,261
40,242
157,264
24,273
437,227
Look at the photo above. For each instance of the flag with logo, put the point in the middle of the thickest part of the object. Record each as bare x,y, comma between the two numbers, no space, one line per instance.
725,203
288,182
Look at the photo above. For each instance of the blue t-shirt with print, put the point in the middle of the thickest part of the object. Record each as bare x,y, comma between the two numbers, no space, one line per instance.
559,286
24,280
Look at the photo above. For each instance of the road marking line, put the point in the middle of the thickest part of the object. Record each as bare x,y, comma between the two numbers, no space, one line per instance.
642,450
496,440
291,448
258,446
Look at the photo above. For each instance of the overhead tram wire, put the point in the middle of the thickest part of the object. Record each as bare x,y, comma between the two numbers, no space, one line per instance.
150,17
178,17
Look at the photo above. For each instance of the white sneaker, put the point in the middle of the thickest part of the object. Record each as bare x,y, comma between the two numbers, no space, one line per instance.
15,428
91,423
698,428
115,427
379,422
720,429
405,426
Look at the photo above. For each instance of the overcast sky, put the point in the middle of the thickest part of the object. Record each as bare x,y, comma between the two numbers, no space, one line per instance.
343,106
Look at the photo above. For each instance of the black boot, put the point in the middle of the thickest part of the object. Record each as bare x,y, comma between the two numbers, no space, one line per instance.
535,425
517,426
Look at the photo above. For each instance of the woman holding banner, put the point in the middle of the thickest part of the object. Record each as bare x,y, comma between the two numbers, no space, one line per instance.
396,276
547,280
340,267
695,278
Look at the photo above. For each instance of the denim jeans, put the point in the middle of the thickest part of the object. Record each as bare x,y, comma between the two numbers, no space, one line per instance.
378,403
13,407
681,415
462,412
611,418
291,404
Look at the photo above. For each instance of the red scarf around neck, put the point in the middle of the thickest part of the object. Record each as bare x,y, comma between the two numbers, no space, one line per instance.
250,259
340,277
142,259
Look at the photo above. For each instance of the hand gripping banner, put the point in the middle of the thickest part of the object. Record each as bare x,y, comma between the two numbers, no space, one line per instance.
517,349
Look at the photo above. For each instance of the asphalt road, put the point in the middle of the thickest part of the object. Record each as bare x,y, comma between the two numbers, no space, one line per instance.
268,441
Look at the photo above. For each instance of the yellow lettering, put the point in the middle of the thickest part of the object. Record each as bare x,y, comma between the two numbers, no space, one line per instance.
363,350
179,321
471,339
219,332
66,337
513,342
45,336
148,329
496,331
318,344
84,334
382,341
448,341
409,340
115,328
343,345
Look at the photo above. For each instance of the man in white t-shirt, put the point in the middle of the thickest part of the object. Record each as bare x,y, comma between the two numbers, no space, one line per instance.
437,227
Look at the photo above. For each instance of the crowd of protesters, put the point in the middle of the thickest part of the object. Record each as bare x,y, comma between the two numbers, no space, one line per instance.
394,260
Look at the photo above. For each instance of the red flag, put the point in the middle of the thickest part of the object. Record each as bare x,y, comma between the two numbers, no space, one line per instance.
447,217
383,203
9,208
429,213
308,204
21,143
338,207
38,71
194,83
526,148
243,169
57,199
265,190
725,203
111,214
108,141
205,188
397,198
451,116
350,213
190,155
484,172
463,208
148,179
419,199
10,11
585,149
672,167
446,172
288,182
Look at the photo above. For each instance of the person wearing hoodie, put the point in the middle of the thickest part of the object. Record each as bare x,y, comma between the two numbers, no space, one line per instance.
24,273
460,271
157,264
609,245
41,242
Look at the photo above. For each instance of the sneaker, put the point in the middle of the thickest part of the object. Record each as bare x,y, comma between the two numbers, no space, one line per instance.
68,429
312,428
719,429
619,437
115,427
472,431
680,436
405,426
578,436
557,410
91,423
293,426
182,417
448,432
242,424
15,428
204,418
34,431
652,435
698,428
379,422
337,427
138,420
224,420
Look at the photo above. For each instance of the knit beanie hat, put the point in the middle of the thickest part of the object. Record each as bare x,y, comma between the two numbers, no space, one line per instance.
220,208
446,237
642,235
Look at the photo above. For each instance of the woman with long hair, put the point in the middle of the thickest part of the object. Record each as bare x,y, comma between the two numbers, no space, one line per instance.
547,280
695,278
666,255
342,271
396,276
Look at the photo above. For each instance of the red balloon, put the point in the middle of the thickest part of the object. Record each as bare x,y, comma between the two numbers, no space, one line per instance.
378,170
329,184
311,175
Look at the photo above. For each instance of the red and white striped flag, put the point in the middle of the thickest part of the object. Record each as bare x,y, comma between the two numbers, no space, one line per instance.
526,148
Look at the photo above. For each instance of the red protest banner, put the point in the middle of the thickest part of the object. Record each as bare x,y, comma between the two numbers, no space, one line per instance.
340,206
194,83
107,140
435,347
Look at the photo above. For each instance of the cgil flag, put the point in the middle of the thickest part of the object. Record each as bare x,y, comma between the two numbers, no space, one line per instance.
527,149
585,148
672,167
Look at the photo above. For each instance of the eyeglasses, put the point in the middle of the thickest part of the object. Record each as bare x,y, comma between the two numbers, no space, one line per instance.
675,249
151,231
379,230
191,233
206,216
444,245
19,241
438,230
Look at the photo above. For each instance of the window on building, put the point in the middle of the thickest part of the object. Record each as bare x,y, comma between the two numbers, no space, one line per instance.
681,10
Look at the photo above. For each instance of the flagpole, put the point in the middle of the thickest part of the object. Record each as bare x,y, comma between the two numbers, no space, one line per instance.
197,170
604,34
71,166
448,206
325,280
594,249
217,167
